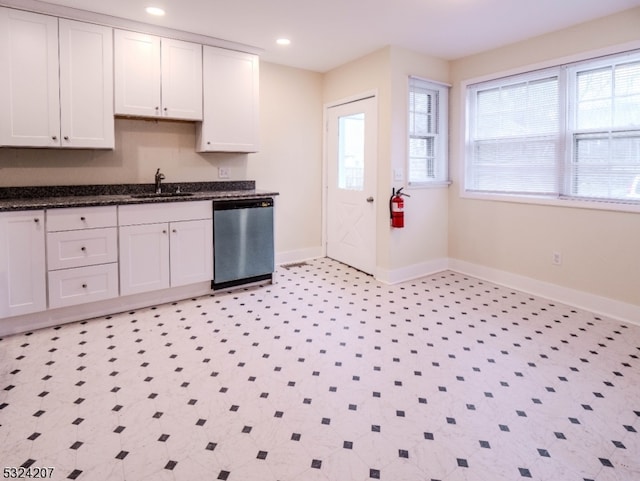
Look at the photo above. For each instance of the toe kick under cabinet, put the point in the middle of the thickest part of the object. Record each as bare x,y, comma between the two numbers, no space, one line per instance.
82,255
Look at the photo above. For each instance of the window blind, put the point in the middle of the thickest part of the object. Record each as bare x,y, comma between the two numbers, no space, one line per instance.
427,132
515,137
604,129
572,131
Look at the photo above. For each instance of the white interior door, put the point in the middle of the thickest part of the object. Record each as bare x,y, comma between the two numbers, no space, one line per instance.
351,183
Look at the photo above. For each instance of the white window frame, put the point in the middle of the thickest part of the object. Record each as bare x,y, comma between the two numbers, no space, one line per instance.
561,199
440,135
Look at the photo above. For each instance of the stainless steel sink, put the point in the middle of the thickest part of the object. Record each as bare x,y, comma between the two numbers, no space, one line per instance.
153,195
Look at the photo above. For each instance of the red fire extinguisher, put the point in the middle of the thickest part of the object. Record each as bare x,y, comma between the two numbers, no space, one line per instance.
396,207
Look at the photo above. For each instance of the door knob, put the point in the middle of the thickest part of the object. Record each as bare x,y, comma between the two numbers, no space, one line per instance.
369,199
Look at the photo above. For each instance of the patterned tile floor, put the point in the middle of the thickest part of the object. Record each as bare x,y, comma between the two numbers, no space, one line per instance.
329,375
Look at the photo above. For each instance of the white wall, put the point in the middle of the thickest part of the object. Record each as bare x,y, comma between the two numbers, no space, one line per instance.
600,254
370,73
289,161
422,245
290,158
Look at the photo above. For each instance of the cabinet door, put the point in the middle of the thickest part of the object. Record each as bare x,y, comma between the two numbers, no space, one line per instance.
144,258
22,263
231,102
29,93
86,85
191,252
137,74
181,80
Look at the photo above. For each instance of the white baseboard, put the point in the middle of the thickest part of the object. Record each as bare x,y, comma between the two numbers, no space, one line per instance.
408,273
604,306
299,255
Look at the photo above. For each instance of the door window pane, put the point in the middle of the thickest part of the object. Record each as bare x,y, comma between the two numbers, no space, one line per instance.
351,152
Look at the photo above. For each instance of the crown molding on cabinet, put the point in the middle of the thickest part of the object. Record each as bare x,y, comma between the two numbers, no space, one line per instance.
122,23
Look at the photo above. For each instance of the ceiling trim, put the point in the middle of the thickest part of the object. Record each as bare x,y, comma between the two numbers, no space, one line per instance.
122,23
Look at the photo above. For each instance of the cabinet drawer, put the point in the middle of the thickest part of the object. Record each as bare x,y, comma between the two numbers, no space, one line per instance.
69,287
135,214
81,248
74,218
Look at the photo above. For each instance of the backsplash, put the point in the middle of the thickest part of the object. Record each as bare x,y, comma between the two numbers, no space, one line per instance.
142,146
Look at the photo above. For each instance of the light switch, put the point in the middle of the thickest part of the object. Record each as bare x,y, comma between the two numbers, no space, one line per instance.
223,172
398,175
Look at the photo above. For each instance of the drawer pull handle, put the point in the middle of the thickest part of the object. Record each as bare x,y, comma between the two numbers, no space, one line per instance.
36,220
84,286
164,231
83,249
83,218
175,231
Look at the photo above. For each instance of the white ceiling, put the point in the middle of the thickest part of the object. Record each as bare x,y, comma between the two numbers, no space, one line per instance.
328,33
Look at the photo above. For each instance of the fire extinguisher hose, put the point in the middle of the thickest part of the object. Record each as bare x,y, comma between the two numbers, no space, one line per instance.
393,194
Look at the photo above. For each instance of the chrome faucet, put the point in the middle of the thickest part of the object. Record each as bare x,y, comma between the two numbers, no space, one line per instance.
159,179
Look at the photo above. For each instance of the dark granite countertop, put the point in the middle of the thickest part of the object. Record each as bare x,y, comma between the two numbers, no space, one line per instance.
32,198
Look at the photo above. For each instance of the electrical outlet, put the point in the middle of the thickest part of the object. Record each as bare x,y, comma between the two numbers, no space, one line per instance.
556,258
223,172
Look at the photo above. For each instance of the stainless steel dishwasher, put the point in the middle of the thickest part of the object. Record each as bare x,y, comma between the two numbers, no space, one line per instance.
243,246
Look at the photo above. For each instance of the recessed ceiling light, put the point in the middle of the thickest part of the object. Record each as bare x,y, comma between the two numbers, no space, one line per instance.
155,11
283,41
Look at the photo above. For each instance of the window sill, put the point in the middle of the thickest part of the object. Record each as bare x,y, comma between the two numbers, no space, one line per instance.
428,185
617,206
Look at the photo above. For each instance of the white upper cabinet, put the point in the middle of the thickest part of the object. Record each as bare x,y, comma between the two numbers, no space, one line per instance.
181,80
137,74
29,88
231,102
86,85
56,82
157,77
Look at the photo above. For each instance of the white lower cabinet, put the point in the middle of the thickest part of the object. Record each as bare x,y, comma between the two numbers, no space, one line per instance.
22,263
191,256
65,257
175,252
69,249
144,258
82,255
69,287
